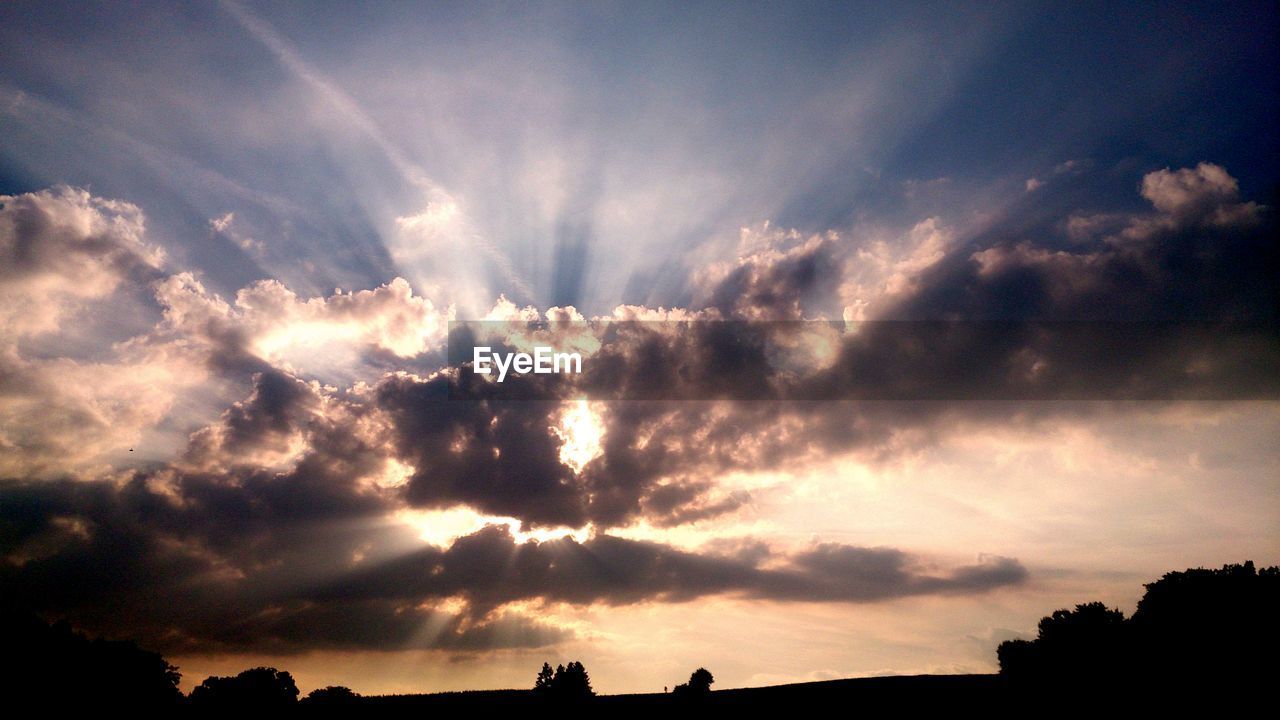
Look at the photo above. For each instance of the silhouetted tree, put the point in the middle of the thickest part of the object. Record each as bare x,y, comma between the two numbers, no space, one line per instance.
261,688
1019,660
43,661
568,683
331,697
699,685
1193,629
1210,625
573,682
546,676
1086,644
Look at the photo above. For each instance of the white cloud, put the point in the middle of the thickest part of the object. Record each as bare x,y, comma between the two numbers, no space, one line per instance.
221,225
1205,195
276,325
59,249
64,411
61,415
883,270
1205,192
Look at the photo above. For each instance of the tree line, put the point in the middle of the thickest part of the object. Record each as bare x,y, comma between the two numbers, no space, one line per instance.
1195,628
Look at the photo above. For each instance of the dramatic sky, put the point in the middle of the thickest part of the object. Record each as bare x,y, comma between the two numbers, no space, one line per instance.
233,236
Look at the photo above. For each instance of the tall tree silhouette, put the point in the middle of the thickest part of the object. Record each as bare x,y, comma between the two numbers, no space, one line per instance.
546,676
573,682
568,683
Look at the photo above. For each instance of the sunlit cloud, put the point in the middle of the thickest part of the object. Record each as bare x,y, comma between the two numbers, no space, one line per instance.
442,527
580,430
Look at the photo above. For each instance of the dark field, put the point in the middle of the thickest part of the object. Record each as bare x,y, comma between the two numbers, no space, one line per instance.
905,693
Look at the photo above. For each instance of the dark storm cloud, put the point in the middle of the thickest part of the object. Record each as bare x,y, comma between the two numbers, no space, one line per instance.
227,464
219,568
679,503
832,571
1177,304
299,626
1204,259
225,555
490,568
470,445
500,458
241,570
278,407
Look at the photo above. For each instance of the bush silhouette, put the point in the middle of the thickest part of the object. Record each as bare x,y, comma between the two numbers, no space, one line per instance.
43,661
699,685
261,688
331,697
1084,644
1196,628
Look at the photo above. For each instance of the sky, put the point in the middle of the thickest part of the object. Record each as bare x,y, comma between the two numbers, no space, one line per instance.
944,316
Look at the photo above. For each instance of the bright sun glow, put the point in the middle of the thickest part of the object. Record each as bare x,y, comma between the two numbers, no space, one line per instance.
581,430
394,474
442,527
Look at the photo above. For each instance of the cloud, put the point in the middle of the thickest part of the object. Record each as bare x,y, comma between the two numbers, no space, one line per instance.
1202,256
268,429
776,277
502,458
211,566
64,255
1153,306
302,626
986,320
61,415
489,568
882,271
75,265
1068,167
270,322
275,514
61,248
221,225
1205,192
223,552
